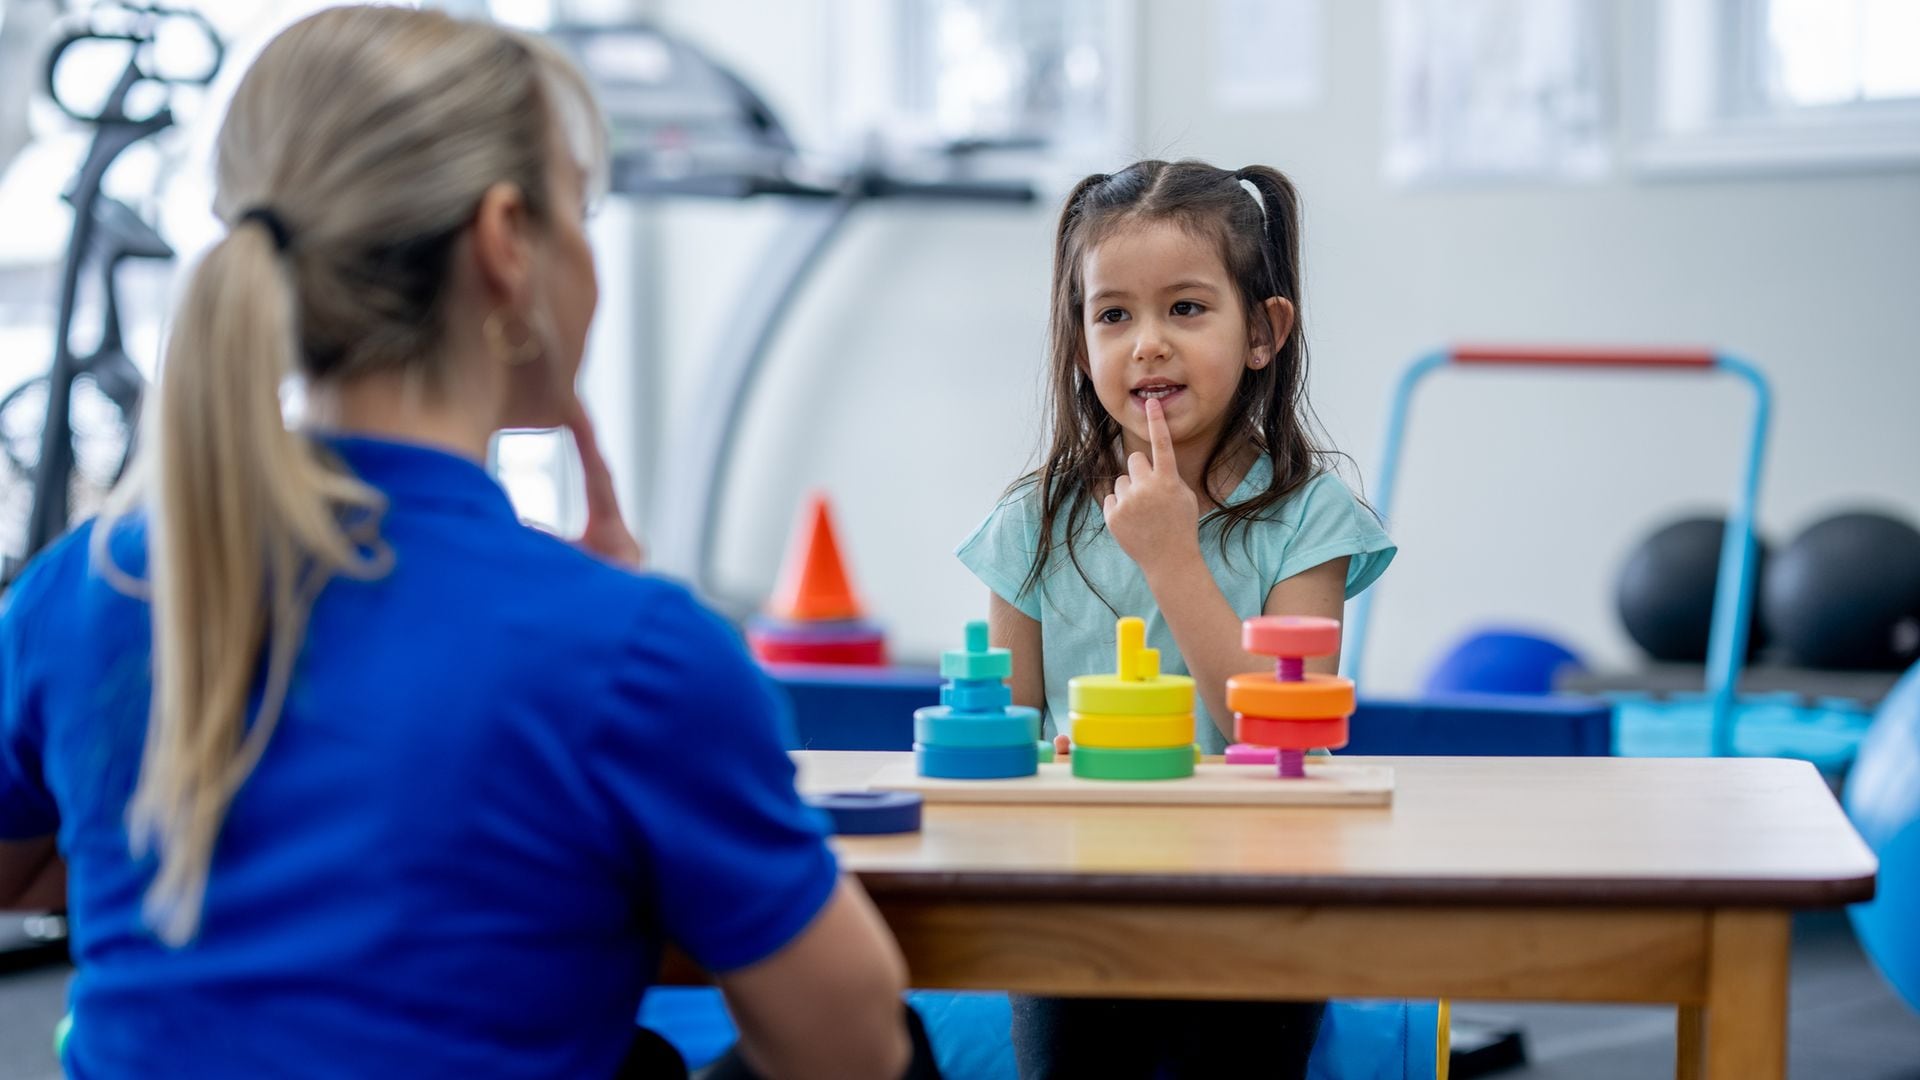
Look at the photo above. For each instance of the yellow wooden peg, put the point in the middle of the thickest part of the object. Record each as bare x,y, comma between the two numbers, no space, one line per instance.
1129,642
1136,688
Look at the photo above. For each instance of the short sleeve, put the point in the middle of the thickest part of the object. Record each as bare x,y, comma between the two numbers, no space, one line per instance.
1330,523
1002,550
693,758
27,807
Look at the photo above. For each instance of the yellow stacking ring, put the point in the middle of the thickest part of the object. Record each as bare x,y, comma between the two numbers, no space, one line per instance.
1106,695
1122,732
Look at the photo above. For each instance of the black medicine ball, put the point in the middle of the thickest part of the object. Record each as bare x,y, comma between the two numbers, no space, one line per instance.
1665,591
1846,594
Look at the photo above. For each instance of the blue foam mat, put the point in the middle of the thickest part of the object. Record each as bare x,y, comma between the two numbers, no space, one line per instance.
1359,1040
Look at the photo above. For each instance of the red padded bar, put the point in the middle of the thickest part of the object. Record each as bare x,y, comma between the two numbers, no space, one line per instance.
1560,356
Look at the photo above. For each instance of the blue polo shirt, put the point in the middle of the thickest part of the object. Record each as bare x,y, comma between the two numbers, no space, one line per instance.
505,774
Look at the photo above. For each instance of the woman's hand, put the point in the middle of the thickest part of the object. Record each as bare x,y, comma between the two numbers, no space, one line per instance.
606,533
1152,513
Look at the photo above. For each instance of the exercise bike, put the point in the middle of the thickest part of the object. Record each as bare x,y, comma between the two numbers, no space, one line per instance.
101,387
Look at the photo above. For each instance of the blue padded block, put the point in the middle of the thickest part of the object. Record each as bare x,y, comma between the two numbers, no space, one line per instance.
837,707
1483,725
845,708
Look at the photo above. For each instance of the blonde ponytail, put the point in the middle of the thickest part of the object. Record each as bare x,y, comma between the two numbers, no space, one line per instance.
242,510
352,155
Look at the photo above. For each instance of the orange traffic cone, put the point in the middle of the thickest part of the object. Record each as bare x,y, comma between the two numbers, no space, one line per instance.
813,581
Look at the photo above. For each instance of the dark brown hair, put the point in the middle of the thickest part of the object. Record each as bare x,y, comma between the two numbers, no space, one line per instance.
1259,244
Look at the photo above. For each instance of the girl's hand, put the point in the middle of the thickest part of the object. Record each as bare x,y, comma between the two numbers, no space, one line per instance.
606,534
1152,513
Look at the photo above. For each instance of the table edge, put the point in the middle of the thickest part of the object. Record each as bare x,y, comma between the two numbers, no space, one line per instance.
1387,891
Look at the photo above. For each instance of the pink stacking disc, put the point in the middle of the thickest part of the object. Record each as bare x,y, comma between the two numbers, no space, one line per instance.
1246,754
1290,635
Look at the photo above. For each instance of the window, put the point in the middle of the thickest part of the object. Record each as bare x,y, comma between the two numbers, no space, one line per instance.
1784,85
1820,53
1497,90
1025,78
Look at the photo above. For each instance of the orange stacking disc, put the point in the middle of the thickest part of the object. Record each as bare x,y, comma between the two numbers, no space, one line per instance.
813,581
1290,734
1315,698
1290,635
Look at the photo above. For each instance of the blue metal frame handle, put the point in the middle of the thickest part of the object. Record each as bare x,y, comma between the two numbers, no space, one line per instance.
1733,592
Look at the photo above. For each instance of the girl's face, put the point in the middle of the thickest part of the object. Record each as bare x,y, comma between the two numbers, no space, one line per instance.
1163,320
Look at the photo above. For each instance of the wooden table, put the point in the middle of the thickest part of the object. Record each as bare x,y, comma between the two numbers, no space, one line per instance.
1556,879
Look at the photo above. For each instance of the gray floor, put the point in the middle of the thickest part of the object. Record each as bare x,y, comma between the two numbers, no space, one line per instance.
1846,1024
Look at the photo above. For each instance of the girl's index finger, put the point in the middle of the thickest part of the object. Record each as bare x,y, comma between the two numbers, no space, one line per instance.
1158,435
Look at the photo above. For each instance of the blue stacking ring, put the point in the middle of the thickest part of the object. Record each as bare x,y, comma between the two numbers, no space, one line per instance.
937,725
976,695
977,762
869,813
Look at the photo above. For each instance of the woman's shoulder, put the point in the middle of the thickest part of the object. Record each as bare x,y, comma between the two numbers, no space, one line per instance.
625,600
51,583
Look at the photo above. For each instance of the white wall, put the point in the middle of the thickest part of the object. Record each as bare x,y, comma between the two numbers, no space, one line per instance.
907,384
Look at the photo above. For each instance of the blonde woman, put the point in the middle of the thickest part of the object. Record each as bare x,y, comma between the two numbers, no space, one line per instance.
350,773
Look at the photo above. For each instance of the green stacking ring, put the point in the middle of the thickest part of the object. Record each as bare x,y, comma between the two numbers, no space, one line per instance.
1152,763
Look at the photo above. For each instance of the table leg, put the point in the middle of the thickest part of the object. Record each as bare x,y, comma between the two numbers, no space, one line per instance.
1746,1010
1691,1032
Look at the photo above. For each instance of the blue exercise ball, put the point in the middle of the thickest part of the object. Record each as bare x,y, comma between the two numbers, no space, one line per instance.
1502,662
1883,799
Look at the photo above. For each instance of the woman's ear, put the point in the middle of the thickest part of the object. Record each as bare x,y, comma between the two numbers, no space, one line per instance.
1279,313
503,244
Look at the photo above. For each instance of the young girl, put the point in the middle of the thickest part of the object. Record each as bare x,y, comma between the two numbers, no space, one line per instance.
1183,485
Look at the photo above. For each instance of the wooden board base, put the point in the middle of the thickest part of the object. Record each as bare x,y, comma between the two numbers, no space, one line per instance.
1211,785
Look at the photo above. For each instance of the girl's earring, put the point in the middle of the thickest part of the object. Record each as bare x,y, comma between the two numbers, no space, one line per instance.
525,350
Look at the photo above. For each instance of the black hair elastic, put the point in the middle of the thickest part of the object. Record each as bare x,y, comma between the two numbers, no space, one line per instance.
275,225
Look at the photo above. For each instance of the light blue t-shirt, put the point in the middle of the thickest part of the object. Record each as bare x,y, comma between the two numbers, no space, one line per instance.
1321,521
